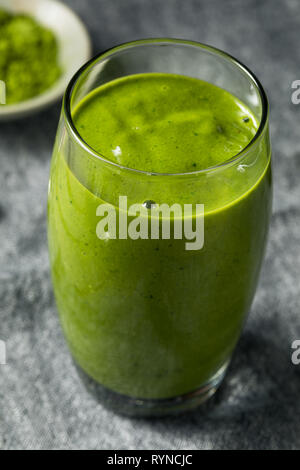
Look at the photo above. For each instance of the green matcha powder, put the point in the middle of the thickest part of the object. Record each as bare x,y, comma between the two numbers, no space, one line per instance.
28,57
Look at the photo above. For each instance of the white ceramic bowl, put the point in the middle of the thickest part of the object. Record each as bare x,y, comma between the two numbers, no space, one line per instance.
74,50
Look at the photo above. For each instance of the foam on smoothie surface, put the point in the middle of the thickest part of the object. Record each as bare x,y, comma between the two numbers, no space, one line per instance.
164,123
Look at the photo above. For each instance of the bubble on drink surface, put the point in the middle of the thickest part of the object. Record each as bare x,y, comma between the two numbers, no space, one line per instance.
149,204
117,151
241,168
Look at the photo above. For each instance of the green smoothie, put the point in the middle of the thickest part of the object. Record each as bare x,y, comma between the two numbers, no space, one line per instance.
147,318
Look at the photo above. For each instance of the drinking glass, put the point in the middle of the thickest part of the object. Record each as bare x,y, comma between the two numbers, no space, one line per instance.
150,324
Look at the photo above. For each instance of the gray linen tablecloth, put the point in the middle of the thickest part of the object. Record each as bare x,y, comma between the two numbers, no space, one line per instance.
43,404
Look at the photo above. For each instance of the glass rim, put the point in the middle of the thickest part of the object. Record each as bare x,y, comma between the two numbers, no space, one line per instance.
66,106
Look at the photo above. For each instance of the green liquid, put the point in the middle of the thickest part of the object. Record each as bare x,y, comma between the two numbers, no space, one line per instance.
164,123
147,318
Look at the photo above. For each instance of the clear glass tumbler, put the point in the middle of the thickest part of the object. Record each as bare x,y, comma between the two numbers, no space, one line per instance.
152,326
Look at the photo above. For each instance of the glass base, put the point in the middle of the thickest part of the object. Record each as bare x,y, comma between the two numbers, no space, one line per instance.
143,407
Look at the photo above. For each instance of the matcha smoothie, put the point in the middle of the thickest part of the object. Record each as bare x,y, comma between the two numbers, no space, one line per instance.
147,318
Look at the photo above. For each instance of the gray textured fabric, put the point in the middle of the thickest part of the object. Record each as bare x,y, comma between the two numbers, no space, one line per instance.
43,404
